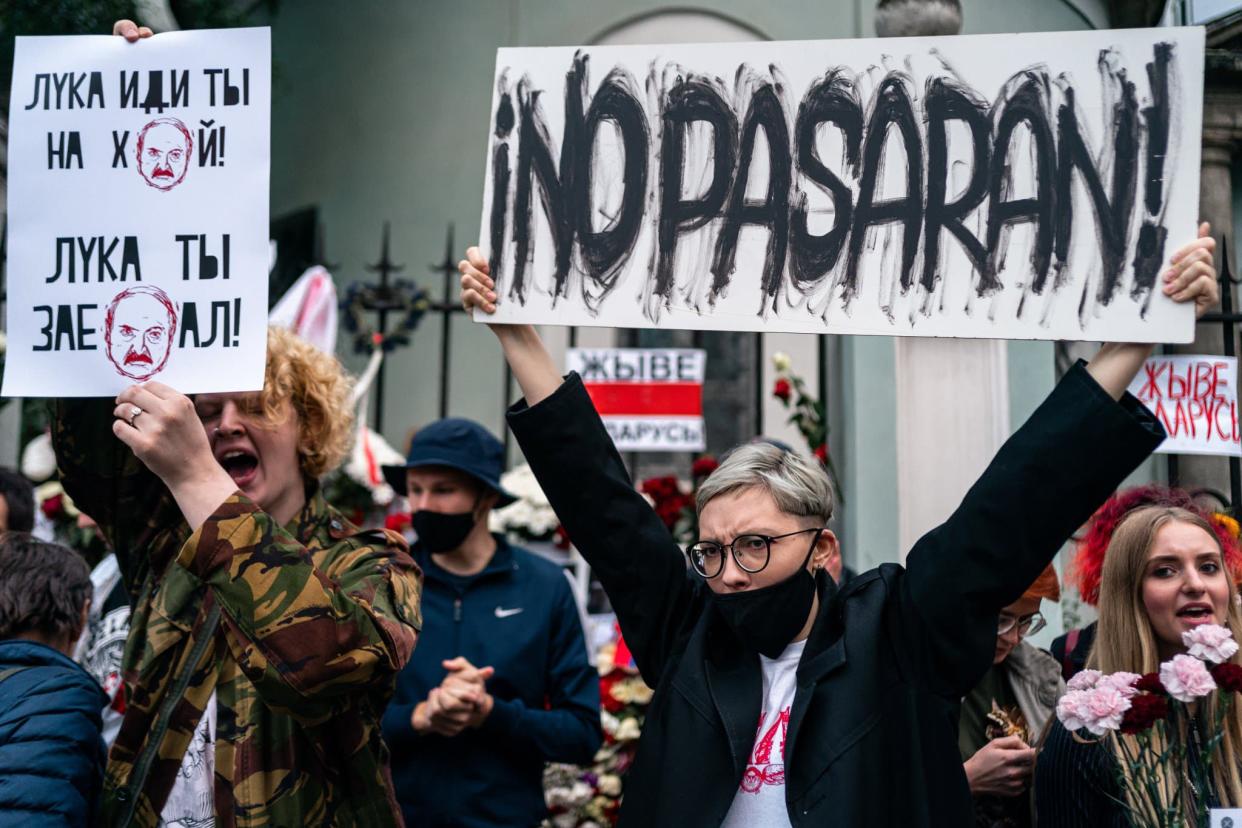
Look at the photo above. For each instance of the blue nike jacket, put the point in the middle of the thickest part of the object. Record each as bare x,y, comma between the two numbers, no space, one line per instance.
518,615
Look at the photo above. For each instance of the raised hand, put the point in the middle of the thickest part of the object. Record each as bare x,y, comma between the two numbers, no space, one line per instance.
532,366
1192,274
130,30
161,427
477,288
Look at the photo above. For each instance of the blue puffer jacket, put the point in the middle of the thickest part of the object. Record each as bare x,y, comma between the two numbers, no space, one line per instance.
51,754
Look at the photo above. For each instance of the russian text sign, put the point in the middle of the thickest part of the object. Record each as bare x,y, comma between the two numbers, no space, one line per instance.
138,213
1004,186
1196,399
650,399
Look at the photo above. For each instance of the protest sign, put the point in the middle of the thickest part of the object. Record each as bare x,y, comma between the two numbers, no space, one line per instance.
1001,186
1196,399
138,213
650,399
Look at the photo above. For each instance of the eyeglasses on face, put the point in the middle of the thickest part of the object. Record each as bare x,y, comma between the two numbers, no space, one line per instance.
751,552
1026,624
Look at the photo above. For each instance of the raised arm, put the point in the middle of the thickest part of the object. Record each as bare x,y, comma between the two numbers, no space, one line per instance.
1042,485
133,508
616,530
1190,276
308,626
524,351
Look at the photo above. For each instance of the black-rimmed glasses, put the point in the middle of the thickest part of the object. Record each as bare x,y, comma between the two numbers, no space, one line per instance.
1026,624
750,552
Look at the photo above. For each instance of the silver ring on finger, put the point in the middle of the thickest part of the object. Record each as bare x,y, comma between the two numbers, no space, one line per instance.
134,411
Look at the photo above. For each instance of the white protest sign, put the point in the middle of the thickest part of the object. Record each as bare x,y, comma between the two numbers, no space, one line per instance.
138,213
650,399
1225,817
1002,186
1196,399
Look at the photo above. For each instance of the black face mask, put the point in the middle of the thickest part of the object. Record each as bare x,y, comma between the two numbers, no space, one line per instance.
767,619
440,532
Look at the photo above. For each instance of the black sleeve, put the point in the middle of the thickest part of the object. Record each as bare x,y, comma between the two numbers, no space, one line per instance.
612,525
1074,785
136,514
1045,481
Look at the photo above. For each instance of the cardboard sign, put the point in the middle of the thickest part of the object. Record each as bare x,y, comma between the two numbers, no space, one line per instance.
1020,186
650,399
138,213
1196,399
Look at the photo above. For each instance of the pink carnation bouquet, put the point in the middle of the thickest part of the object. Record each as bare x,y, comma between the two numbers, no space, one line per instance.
1140,713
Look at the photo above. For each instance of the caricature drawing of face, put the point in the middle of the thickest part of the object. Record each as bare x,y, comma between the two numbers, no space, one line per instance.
139,329
164,147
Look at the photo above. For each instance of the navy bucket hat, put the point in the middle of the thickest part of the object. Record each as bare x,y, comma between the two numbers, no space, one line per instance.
455,443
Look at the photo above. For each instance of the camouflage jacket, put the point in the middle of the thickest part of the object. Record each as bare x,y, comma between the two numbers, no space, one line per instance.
299,630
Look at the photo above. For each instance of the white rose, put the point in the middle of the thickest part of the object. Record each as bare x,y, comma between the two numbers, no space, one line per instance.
38,460
610,785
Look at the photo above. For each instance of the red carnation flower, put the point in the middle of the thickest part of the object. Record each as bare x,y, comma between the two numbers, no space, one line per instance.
562,540
611,704
704,466
783,389
1228,677
821,453
661,488
1145,710
1149,683
53,506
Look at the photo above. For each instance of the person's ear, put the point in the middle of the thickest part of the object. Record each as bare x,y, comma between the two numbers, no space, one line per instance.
827,547
487,501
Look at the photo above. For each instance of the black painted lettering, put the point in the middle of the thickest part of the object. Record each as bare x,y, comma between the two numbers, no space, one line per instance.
831,100
691,100
765,112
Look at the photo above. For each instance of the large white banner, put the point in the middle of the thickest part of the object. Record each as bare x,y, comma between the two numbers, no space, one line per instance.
1012,186
138,213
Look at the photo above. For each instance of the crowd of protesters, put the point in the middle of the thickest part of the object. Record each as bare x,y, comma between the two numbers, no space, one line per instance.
245,655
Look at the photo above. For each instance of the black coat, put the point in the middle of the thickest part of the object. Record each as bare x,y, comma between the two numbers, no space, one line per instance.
872,736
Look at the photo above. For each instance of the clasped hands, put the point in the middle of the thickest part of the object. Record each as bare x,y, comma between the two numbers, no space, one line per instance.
461,701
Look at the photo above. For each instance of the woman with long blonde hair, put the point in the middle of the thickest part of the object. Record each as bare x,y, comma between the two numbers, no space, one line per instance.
1164,574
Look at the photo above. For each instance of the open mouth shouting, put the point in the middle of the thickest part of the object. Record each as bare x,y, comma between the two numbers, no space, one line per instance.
241,464
1195,613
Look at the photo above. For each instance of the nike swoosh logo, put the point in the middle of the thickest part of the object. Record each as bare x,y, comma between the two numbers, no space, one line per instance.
505,613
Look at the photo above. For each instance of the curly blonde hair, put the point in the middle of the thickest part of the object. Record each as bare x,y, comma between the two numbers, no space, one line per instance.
318,388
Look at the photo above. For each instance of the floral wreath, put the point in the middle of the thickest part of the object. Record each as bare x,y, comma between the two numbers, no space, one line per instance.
405,296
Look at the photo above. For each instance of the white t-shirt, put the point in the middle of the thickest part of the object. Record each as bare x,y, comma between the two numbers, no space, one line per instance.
760,799
192,802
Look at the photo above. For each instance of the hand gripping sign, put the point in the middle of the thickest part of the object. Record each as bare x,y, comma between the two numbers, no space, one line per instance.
138,213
